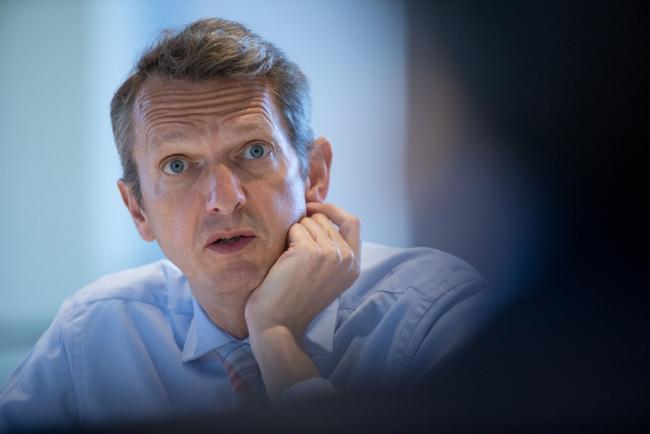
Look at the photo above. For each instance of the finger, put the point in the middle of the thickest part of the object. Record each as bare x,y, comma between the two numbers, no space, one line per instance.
329,227
349,225
298,235
318,233
333,232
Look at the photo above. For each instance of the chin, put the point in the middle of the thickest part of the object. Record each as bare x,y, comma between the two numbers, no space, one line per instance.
241,279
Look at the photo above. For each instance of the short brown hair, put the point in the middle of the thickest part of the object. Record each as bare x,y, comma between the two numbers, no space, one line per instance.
214,48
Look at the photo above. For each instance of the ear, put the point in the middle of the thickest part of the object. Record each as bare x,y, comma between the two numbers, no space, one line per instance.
320,162
137,213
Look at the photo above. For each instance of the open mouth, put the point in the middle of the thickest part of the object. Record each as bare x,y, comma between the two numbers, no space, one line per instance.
229,240
231,244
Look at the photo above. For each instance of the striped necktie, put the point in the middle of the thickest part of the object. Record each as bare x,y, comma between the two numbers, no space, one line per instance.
244,374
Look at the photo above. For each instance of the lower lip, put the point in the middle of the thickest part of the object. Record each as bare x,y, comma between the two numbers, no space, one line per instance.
232,247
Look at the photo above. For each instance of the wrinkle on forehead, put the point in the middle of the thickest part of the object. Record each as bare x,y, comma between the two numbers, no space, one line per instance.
166,102
216,107
161,90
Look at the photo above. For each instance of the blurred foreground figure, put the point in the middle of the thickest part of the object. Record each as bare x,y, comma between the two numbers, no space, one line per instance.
268,294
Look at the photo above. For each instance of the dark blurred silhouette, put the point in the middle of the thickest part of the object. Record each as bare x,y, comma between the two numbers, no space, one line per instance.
559,89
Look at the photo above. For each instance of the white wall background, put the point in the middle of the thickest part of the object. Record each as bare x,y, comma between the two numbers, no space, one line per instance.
62,223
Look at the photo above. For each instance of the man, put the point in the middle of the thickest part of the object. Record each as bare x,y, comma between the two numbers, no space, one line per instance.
264,295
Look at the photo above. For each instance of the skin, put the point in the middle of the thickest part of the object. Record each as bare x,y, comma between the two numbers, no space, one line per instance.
213,156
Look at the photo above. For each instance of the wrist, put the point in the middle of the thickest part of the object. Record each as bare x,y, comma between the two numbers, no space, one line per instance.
271,328
270,333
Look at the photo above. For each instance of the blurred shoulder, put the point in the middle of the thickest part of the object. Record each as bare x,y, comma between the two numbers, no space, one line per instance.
429,271
160,284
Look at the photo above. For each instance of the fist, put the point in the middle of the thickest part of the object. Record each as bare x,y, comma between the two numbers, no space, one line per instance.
322,260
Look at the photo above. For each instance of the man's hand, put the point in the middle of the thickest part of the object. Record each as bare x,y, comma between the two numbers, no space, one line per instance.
320,263
322,260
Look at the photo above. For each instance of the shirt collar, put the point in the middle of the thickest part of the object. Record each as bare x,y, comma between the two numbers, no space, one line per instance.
204,336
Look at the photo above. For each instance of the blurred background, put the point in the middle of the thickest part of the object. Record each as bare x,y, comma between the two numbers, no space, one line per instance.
511,134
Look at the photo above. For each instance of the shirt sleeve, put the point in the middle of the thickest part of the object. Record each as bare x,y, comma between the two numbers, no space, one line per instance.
40,392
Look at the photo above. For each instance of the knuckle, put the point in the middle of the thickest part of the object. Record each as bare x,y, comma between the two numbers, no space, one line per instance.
340,256
320,218
331,252
346,255
319,253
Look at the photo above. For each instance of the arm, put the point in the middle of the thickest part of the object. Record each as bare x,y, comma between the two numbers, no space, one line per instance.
323,259
281,360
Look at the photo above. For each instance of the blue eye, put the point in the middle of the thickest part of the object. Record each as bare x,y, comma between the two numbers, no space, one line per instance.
174,166
255,151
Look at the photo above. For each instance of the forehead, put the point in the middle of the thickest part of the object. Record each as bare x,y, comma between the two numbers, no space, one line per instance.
164,106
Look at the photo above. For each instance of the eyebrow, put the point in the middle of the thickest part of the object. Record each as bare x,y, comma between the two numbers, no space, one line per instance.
159,139
256,127
156,140
170,137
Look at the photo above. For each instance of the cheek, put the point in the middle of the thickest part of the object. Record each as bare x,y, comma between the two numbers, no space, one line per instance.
289,201
174,215
277,205
287,191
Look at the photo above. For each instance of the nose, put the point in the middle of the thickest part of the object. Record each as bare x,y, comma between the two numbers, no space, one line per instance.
225,193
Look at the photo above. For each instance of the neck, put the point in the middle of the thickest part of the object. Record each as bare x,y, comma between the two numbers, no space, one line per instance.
228,313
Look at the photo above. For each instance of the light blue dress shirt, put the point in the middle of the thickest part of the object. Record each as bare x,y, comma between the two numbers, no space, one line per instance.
136,345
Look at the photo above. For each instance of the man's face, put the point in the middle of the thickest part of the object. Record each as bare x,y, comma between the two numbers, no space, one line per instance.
221,184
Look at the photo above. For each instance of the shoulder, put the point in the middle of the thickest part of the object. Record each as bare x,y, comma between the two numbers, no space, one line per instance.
430,273
408,309
146,303
159,284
